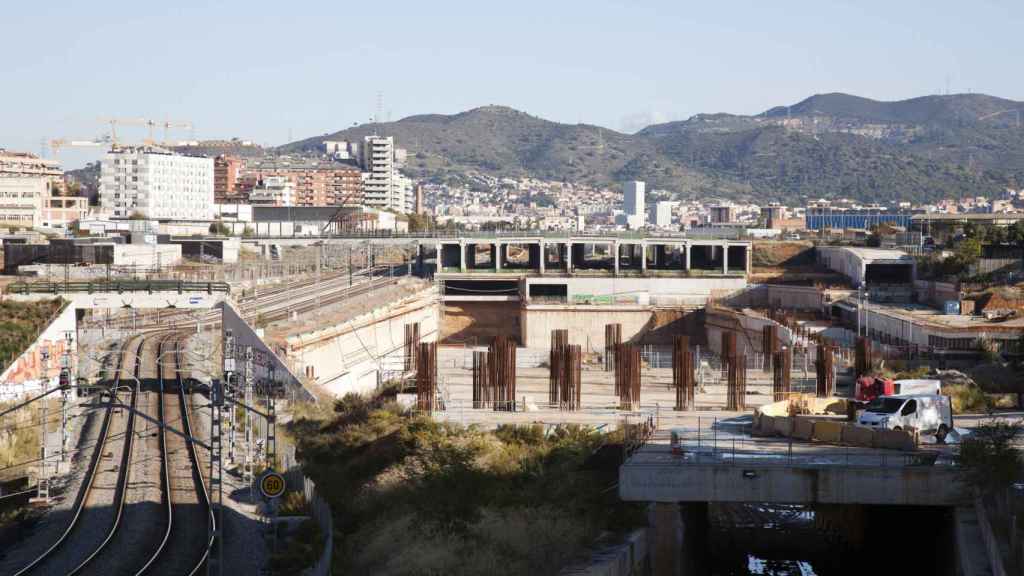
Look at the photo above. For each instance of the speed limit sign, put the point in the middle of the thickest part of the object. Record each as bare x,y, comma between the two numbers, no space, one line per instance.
272,485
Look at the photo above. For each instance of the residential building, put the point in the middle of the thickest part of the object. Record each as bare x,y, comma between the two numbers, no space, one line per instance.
26,184
225,177
383,186
274,191
634,203
722,214
663,213
315,184
61,211
156,183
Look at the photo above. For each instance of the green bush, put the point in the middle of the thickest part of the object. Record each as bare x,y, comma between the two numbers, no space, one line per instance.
462,491
967,398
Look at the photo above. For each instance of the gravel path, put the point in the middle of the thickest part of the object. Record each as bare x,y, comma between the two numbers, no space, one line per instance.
142,522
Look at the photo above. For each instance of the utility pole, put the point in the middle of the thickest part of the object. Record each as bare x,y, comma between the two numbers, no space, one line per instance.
248,464
43,480
213,566
65,387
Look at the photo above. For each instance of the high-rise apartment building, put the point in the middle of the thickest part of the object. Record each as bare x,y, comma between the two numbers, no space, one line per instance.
26,184
722,214
383,185
634,204
157,184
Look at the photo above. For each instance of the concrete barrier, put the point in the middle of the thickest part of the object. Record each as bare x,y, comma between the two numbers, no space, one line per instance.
803,429
858,436
831,432
767,426
895,440
780,408
784,426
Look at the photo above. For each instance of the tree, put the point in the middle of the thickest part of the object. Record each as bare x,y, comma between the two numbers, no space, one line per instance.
219,228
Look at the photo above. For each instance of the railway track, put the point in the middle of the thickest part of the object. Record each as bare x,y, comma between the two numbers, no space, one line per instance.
183,549
77,543
158,516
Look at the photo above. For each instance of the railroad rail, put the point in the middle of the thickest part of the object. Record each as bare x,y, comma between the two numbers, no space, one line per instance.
42,564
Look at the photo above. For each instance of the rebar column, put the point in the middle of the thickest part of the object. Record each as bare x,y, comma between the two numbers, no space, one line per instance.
782,370
863,360
627,371
412,342
769,345
426,377
556,365
823,368
682,373
612,339
483,390
503,373
572,359
736,372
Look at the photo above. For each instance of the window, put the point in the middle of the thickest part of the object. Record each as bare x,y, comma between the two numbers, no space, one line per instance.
909,408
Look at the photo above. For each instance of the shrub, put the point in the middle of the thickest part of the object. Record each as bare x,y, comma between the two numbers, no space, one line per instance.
967,398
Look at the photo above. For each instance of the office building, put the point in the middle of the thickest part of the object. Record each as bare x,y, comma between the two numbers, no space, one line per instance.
634,203
27,183
157,184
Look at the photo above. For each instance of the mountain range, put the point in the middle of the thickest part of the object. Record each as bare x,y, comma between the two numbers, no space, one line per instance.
828,145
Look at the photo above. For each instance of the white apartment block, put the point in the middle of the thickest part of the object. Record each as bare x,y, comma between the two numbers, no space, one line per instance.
156,184
383,185
26,186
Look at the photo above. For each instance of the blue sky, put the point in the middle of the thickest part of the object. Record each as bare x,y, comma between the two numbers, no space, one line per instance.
267,71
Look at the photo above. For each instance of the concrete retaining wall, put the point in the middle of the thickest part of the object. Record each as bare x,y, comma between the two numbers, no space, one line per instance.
767,483
750,329
26,373
264,357
627,559
355,355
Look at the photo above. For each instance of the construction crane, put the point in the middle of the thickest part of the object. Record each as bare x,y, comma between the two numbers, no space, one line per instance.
148,124
58,143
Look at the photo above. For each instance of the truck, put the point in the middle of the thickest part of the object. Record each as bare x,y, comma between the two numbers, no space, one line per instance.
926,413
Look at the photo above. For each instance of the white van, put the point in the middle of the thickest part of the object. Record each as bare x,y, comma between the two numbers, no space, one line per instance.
926,413
916,386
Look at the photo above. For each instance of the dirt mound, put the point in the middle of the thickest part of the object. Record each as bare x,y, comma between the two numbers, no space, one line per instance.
782,254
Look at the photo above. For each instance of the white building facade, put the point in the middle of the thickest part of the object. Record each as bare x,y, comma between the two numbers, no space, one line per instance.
274,191
383,185
27,183
157,184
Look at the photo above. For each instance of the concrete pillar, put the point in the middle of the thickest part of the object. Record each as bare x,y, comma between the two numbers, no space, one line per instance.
643,258
568,257
543,256
687,262
725,258
497,256
462,256
615,250
667,542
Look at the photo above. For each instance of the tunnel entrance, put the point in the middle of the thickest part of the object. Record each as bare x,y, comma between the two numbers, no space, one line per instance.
889,273
821,539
